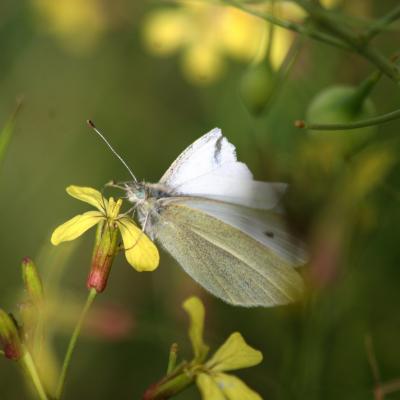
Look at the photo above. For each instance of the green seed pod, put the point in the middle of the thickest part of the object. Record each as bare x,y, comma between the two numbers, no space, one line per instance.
342,105
256,87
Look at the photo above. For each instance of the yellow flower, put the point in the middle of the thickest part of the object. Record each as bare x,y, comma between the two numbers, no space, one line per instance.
207,33
140,251
235,353
210,376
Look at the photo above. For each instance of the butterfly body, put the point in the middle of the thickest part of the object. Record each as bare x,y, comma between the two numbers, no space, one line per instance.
224,228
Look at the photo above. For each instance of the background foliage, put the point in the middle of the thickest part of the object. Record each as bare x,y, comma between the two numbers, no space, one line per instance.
81,60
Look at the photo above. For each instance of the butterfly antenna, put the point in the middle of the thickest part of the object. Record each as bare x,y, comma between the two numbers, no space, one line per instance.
93,126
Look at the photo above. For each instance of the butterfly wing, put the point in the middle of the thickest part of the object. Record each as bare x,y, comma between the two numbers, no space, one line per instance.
266,226
209,168
224,260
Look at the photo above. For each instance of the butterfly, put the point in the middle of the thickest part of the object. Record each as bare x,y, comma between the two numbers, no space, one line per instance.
224,228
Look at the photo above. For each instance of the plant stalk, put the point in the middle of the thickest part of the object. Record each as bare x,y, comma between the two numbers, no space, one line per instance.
72,343
321,16
292,26
29,367
353,125
379,25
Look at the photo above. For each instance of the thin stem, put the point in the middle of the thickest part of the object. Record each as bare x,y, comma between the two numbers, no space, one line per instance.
72,343
170,387
352,125
271,32
318,14
29,367
284,71
378,26
292,26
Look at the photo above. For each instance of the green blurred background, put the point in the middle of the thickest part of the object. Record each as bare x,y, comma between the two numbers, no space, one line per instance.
78,60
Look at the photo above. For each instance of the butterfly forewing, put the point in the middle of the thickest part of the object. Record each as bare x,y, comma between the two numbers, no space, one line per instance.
209,168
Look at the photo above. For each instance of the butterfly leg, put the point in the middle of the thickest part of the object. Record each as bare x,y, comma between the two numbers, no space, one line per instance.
146,219
131,210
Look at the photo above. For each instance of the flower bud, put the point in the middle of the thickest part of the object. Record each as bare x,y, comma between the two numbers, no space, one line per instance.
32,281
256,87
9,337
103,256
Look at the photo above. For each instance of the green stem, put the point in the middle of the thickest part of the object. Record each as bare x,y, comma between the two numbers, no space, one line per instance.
378,26
39,334
284,71
29,367
72,343
271,32
292,26
321,16
353,125
357,100
170,387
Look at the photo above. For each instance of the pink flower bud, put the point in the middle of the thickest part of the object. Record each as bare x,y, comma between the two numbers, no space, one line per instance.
103,257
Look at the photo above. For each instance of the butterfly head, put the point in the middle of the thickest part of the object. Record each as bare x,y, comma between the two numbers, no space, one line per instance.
136,192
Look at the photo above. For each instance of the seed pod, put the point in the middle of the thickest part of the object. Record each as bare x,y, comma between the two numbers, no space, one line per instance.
256,87
341,104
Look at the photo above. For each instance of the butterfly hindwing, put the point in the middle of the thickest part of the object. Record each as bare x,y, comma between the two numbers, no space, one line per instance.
224,260
266,226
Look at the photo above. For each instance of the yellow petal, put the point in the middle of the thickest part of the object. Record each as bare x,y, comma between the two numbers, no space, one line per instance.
73,228
235,353
113,208
234,389
88,195
140,251
194,307
209,388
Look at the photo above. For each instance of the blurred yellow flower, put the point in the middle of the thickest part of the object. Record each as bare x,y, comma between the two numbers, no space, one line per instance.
78,24
207,33
140,251
235,353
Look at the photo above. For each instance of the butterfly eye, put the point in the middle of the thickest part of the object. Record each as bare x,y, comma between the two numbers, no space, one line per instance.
140,194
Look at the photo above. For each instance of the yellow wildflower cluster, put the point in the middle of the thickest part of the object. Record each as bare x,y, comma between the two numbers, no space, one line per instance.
207,33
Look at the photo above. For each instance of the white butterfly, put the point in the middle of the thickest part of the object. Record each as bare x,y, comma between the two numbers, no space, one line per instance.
223,227
226,230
